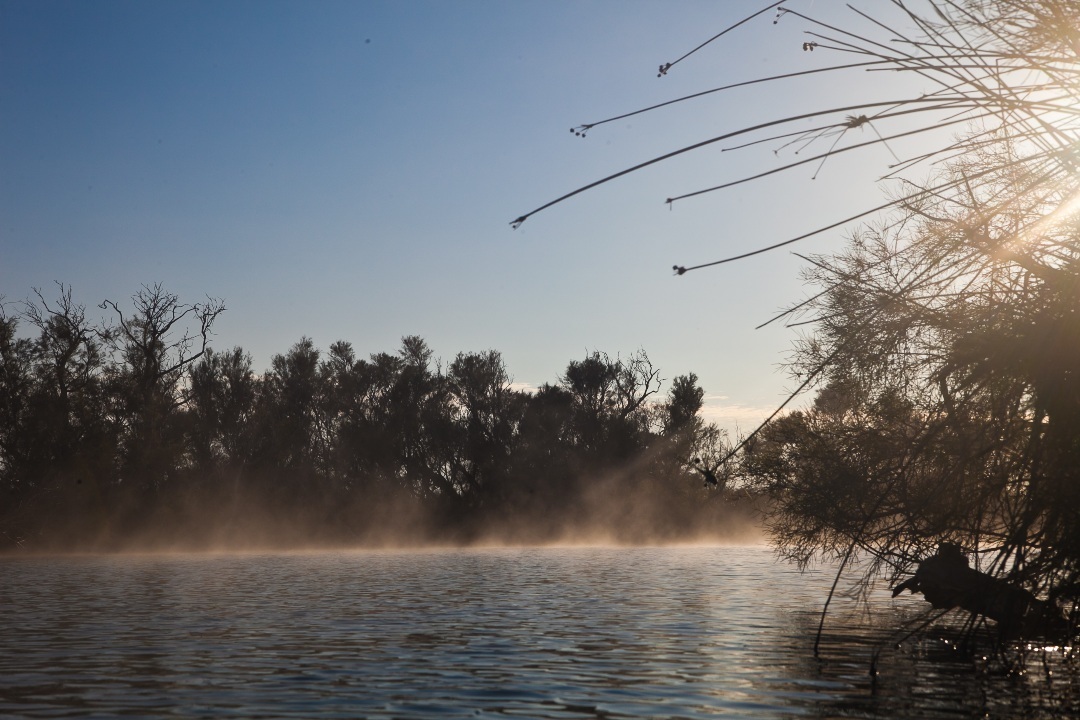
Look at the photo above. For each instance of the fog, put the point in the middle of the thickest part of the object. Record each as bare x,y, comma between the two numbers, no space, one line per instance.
612,510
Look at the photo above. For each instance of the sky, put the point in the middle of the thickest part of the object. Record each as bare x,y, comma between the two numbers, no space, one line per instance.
349,171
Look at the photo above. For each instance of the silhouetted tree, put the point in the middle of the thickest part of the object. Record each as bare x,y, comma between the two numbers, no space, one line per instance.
685,400
67,419
609,402
156,346
544,464
16,452
414,405
487,412
289,408
221,400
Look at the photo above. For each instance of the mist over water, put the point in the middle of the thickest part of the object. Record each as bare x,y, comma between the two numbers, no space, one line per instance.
541,633
614,509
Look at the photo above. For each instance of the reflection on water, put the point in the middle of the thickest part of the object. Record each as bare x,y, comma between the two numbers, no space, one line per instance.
539,633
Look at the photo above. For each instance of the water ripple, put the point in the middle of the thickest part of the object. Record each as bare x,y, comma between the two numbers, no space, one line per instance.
537,633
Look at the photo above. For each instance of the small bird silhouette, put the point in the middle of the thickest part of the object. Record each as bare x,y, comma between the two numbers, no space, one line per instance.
709,473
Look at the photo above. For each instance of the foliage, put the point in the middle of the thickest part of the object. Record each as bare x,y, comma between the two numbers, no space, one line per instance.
137,433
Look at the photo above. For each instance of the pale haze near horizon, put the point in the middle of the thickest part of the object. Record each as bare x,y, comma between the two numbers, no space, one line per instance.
348,171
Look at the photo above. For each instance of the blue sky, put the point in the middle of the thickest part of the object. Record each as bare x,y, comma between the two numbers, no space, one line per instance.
348,170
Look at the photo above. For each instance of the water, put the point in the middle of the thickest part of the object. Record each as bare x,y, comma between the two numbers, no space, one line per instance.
531,633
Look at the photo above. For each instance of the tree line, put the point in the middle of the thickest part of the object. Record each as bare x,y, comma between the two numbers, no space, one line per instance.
133,431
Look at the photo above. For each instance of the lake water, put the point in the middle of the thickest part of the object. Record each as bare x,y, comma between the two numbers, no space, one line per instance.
527,633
